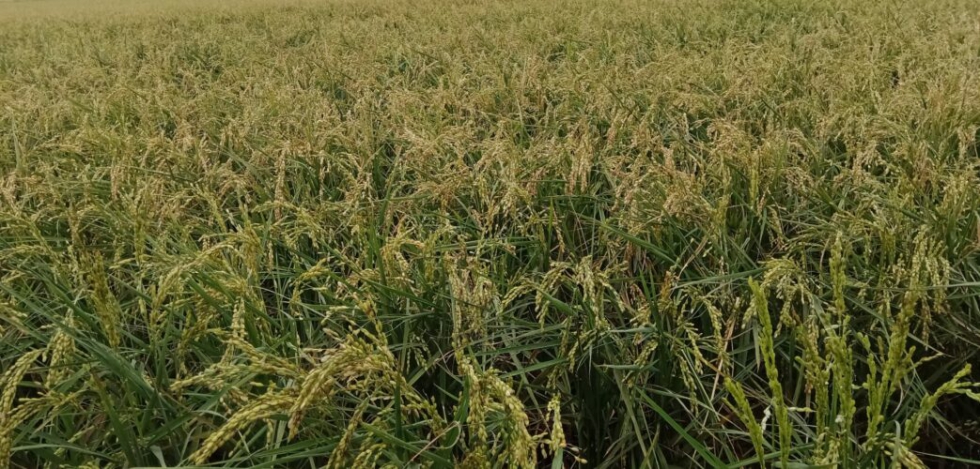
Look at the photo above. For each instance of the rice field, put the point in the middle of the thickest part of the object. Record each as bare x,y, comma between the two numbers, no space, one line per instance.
543,233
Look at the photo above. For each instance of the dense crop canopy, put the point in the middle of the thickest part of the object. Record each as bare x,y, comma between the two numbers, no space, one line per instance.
553,233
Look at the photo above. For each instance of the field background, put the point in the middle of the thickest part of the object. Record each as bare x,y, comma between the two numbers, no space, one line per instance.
553,233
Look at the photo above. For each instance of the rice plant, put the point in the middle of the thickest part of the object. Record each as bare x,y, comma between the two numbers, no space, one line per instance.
549,233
